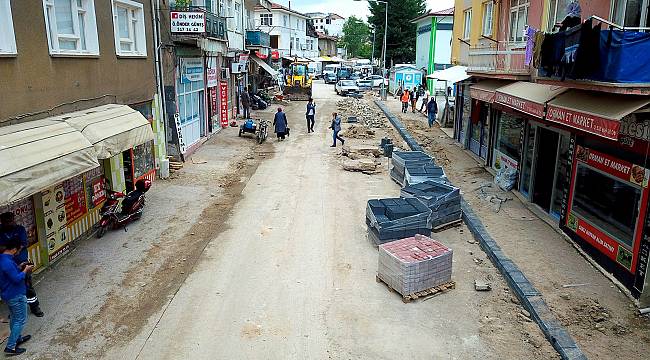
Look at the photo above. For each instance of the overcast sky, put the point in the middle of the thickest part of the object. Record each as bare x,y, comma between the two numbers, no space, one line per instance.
346,8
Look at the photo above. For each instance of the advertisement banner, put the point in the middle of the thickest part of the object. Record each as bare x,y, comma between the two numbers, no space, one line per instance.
99,193
23,211
55,221
191,70
595,237
483,95
613,166
223,102
590,123
213,78
214,101
186,22
525,106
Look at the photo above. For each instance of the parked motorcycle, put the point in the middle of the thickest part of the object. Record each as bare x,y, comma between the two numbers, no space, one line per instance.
119,210
258,103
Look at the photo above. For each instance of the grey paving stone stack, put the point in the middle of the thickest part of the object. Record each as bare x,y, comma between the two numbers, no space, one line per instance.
401,159
396,218
442,198
416,173
414,264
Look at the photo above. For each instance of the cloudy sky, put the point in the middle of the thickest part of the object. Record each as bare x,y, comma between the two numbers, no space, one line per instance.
349,7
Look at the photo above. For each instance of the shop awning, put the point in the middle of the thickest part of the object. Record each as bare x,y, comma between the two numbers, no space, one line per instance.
296,58
595,113
453,74
111,128
39,154
486,89
527,97
265,66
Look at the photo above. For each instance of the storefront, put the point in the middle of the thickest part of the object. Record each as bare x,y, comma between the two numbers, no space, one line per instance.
482,116
463,114
190,97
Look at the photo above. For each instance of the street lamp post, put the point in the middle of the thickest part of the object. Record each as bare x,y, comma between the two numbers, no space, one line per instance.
383,51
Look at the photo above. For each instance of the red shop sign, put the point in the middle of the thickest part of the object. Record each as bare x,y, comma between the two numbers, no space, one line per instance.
483,95
213,101
223,108
99,195
525,106
597,238
590,123
613,166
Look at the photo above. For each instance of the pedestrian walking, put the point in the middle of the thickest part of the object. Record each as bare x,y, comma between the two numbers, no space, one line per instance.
336,128
245,99
425,101
432,110
8,230
311,113
12,285
281,124
405,100
414,99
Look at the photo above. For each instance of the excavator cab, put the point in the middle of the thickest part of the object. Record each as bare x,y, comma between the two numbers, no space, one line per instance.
298,84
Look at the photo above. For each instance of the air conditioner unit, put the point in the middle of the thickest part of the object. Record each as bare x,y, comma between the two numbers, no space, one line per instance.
225,73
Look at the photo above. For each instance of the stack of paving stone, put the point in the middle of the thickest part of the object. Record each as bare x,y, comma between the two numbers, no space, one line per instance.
402,159
416,173
396,218
414,264
442,198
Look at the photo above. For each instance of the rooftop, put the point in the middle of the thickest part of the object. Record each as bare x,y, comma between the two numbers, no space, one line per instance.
430,13
275,6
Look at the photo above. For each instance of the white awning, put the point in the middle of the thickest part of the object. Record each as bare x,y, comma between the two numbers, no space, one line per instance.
265,66
39,154
111,128
453,74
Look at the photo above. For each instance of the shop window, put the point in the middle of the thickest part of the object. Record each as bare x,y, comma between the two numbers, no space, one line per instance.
614,211
143,159
129,29
509,136
518,19
71,27
7,38
467,25
488,15
631,13
266,19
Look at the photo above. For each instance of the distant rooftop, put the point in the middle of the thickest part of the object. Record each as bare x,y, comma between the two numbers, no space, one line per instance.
445,12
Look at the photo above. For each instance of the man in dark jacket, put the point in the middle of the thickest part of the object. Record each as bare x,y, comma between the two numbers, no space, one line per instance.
311,112
8,230
281,124
432,110
336,128
245,103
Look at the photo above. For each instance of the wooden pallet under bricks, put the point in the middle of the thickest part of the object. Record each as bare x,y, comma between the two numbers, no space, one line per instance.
446,226
426,294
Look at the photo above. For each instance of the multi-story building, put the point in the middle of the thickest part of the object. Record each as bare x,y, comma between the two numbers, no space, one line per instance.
565,110
433,44
80,111
288,29
327,44
330,23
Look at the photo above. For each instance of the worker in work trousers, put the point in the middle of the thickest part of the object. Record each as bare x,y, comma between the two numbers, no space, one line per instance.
8,230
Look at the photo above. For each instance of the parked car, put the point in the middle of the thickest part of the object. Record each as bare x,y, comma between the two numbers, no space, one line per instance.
330,78
376,80
344,87
365,83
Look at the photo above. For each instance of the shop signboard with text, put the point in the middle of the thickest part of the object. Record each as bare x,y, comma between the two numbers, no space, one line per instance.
53,204
483,95
607,128
525,106
187,22
191,70
609,222
223,103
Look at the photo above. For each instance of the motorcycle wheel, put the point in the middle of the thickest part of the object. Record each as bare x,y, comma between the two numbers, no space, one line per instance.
102,231
240,131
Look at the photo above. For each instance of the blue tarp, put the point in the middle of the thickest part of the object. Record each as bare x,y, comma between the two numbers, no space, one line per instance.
626,59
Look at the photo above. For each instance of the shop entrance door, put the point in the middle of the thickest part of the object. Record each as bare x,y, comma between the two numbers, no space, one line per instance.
545,167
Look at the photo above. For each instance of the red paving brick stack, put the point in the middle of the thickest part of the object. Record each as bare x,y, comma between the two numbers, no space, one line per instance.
414,264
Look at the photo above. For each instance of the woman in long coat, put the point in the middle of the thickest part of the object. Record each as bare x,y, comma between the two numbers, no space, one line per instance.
280,123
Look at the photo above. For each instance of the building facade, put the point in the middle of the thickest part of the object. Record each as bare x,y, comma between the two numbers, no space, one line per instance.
433,43
288,29
331,24
561,114
327,45
80,113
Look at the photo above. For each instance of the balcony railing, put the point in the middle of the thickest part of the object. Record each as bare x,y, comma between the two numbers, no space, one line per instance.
502,58
257,38
215,25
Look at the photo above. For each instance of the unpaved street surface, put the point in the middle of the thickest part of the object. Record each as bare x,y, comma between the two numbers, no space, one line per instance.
601,319
260,252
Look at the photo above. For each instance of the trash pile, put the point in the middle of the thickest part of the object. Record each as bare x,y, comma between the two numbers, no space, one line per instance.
362,158
442,198
414,264
364,112
396,218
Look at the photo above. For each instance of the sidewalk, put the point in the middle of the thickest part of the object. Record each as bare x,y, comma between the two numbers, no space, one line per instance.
601,319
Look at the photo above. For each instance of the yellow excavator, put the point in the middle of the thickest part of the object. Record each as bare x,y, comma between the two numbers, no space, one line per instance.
298,81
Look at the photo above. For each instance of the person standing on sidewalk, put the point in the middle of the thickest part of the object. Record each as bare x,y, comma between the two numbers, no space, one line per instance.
245,99
311,112
12,292
336,128
425,101
432,110
281,124
405,100
8,230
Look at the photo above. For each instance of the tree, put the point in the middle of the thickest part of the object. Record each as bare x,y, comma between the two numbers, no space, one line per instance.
401,36
356,38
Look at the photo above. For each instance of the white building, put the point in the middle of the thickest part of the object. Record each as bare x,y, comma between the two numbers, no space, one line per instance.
330,24
434,27
288,30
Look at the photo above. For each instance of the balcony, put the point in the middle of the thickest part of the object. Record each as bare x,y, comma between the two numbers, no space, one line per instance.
257,39
189,23
504,60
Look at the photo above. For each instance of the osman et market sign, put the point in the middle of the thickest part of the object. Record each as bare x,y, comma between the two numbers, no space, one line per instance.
187,22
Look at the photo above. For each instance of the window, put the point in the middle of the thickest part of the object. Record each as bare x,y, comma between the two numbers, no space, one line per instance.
509,136
488,15
237,16
297,44
631,13
229,14
467,25
128,24
518,19
556,12
7,38
615,211
285,20
266,19
71,27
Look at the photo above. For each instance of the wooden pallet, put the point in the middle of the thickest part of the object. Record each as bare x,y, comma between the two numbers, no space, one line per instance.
446,226
436,290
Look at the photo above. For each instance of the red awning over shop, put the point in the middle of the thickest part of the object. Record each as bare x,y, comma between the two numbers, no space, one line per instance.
529,98
486,89
592,112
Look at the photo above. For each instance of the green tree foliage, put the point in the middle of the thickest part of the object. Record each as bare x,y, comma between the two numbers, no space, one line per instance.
356,38
401,36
